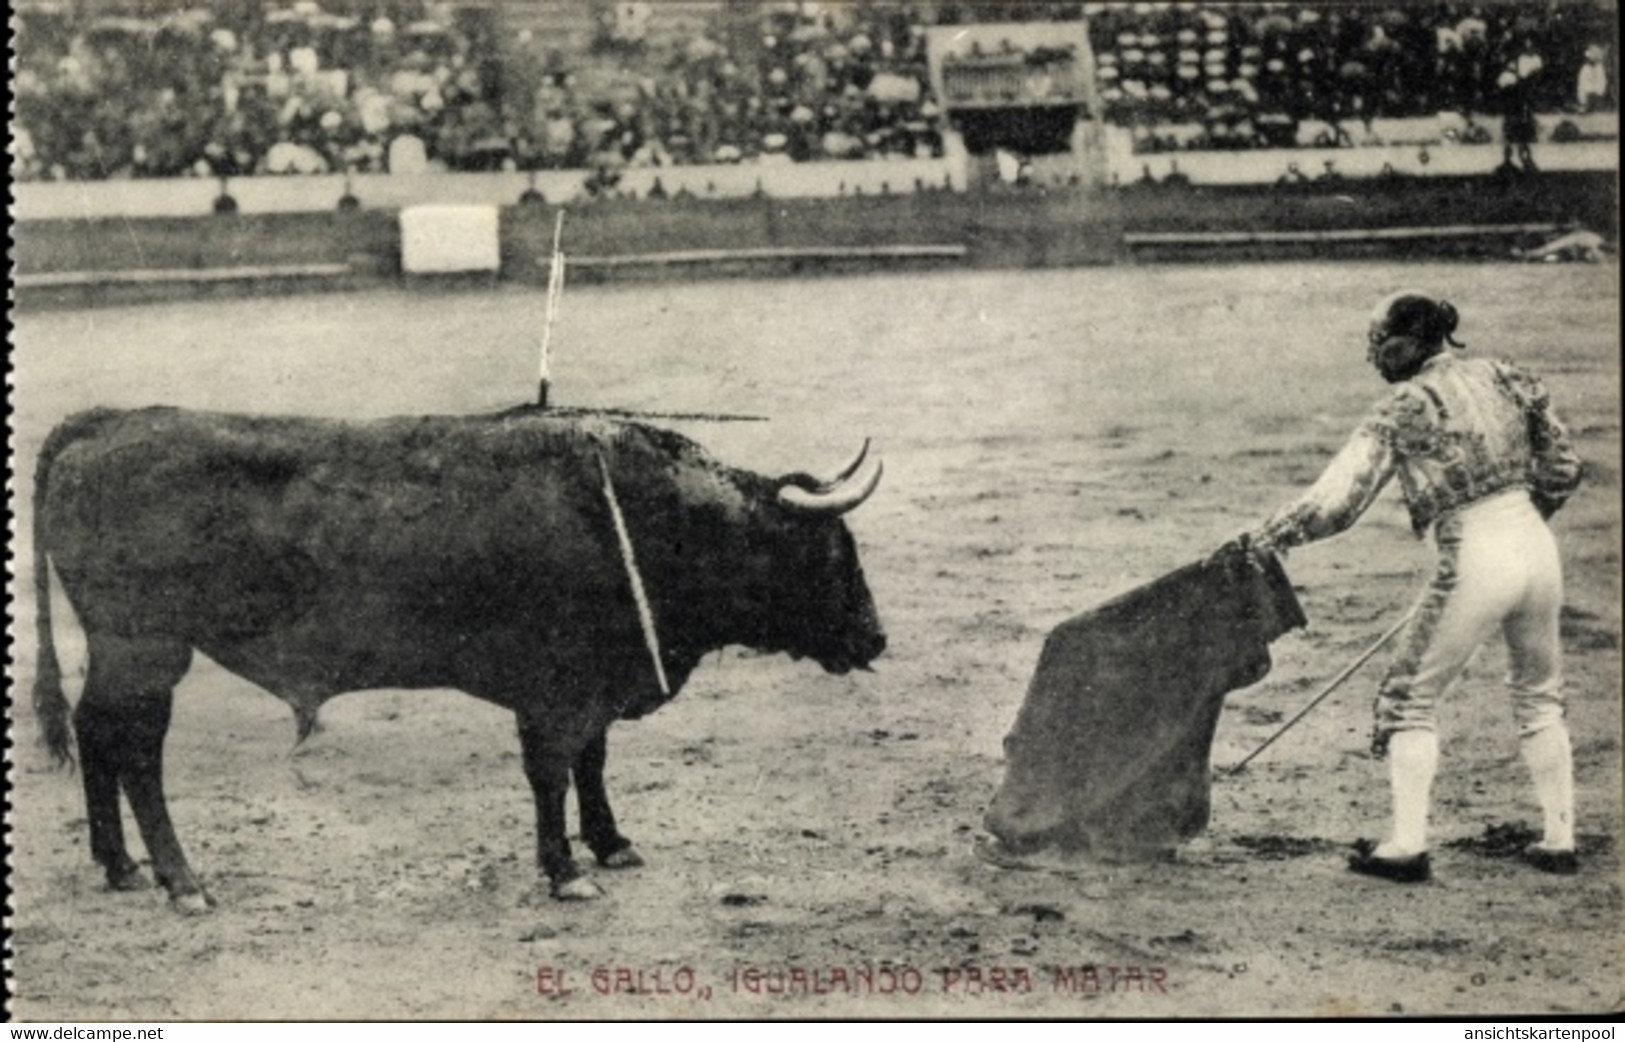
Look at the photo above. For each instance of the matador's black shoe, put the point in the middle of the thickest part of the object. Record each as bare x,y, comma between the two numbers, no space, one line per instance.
1557,862
1418,868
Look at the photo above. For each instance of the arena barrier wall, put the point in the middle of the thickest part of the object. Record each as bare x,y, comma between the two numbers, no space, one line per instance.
1411,147
73,261
1238,169
1414,147
320,193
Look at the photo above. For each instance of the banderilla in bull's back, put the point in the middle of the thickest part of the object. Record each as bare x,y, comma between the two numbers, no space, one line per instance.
315,557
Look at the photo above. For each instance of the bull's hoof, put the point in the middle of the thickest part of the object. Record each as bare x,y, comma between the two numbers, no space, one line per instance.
198,903
578,889
993,851
625,857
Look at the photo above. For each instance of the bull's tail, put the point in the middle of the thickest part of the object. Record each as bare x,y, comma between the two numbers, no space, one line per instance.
51,707
50,704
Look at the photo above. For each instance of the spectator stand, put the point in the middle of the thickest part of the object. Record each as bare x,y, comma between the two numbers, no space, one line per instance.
307,88
1217,83
373,88
602,99
244,88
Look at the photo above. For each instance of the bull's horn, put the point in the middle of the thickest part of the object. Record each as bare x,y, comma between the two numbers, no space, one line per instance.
850,469
847,495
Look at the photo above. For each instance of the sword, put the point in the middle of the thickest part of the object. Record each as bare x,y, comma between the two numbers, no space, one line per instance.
1335,683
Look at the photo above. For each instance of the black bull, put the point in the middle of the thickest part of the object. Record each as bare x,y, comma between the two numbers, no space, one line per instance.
316,557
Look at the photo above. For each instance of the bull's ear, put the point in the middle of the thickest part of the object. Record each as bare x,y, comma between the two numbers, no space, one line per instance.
813,483
847,495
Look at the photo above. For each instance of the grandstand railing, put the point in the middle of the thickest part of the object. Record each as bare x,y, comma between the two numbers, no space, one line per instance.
1270,166
186,197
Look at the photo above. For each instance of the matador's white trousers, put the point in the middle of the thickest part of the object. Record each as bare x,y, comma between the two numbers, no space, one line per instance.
1498,569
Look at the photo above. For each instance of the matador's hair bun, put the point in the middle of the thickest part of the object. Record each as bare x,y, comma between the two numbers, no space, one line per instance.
1424,318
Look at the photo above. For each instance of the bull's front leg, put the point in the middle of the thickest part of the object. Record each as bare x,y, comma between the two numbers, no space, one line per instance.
548,755
612,849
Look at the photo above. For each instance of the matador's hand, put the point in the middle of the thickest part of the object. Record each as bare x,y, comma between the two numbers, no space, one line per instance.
1247,543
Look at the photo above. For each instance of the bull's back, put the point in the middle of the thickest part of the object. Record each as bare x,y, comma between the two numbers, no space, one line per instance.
324,550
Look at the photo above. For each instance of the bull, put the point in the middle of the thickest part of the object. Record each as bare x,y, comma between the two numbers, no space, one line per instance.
315,557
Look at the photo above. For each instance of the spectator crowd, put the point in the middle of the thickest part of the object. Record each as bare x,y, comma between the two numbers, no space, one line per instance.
783,82
265,86
239,87
243,87
1252,74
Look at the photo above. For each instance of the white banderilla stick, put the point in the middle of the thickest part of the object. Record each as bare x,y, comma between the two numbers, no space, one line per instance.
646,617
555,290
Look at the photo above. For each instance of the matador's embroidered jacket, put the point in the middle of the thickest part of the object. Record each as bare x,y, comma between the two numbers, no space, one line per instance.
1459,430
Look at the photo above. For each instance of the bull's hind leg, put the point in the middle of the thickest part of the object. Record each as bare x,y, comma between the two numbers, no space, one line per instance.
612,849
97,731
122,719
548,755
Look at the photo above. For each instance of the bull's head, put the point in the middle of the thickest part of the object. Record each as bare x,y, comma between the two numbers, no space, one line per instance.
823,606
